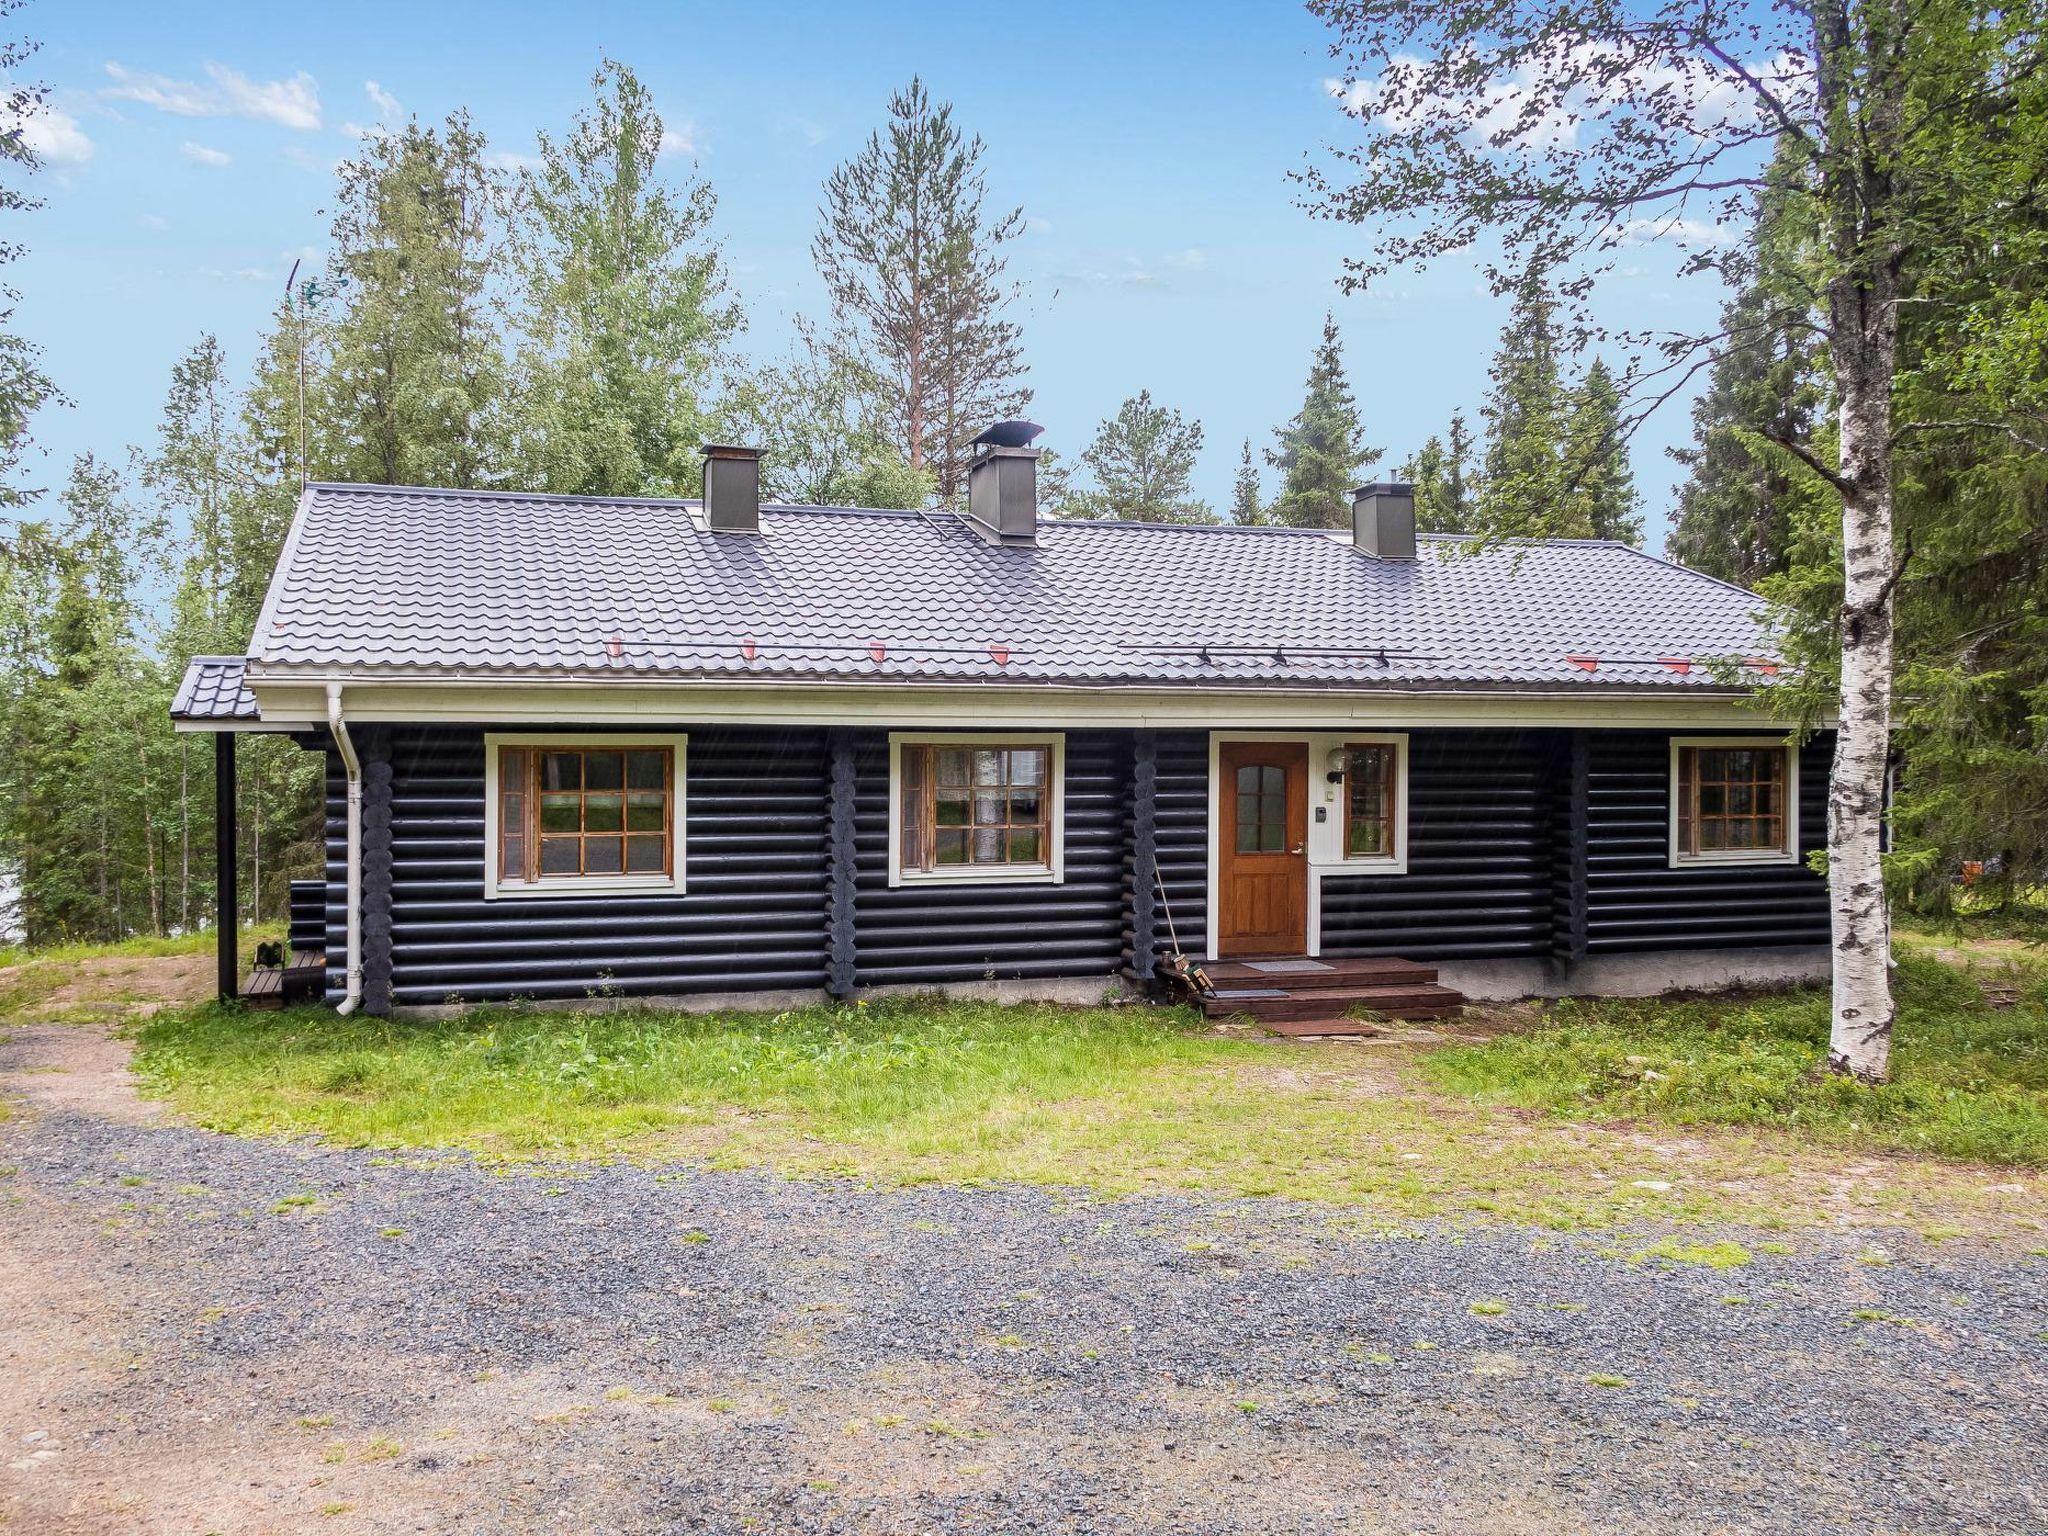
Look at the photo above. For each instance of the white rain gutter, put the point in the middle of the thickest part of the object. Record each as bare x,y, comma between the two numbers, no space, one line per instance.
352,998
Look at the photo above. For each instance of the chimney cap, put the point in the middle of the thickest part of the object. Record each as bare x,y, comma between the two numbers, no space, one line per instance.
1009,434
730,451
1385,488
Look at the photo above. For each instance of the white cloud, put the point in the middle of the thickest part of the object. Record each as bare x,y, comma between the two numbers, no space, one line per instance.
680,140
293,103
1037,226
202,154
512,160
52,134
385,103
1193,259
1526,106
152,221
1681,231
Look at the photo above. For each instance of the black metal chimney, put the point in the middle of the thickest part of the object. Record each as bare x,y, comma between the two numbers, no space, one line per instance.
1383,520
732,488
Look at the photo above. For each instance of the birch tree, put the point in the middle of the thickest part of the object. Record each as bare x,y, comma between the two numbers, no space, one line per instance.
1570,133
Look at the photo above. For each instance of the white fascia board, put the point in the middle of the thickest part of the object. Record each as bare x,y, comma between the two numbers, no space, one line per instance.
994,706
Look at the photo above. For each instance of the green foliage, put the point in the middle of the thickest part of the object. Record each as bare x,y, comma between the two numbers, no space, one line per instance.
1247,503
822,423
1767,388
1446,486
621,308
1556,456
1598,492
915,268
1971,1080
1142,463
24,387
1322,452
415,366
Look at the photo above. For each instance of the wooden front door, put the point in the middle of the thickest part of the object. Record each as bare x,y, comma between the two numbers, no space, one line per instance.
1262,885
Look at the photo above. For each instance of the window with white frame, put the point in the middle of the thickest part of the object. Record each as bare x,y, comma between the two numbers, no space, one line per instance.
1371,803
1734,800
583,814
975,807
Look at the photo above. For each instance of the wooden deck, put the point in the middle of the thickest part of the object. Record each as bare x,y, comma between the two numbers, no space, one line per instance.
1299,996
301,980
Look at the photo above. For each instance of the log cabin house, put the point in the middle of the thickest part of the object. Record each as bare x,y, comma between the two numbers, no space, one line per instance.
714,751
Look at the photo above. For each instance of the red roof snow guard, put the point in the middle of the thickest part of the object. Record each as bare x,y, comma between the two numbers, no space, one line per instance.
1585,663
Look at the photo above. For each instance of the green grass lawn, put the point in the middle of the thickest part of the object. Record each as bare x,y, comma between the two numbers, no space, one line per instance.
1122,1099
1970,1079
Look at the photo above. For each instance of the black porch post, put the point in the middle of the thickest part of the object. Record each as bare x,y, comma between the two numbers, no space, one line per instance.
225,839
840,861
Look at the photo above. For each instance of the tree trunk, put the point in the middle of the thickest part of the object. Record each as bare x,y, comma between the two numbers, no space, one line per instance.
1859,1041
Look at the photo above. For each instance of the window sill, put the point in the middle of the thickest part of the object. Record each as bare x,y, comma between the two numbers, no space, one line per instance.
1362,866
595,885
1735,859
1035,874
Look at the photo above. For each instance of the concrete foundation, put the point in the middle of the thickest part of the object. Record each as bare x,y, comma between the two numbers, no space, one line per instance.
1074,991
1643,975
1483,981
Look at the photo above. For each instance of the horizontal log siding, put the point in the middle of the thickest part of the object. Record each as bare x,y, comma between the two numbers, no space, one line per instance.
1183,842
1637,901
931,933
1479,880
753,917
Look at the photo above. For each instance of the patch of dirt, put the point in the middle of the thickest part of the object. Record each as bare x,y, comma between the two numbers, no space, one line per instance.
133,982
77,1069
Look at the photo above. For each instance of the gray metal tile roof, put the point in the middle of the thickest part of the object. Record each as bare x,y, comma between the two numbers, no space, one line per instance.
212,689
502,584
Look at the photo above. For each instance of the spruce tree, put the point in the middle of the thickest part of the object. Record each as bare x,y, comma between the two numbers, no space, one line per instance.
415,364
1767,387
621,307
1597,486
1524,411
915,267
1441,474
1142,463
1321,452
1247,506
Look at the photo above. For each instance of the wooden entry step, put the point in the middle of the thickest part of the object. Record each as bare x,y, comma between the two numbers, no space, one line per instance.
1300,996
1301,974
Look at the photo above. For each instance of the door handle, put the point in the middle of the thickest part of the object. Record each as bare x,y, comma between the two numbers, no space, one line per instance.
1296,848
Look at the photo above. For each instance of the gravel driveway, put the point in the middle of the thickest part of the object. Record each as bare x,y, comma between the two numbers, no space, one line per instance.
207,1334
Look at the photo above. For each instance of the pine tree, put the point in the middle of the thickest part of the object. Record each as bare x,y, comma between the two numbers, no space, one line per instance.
1597,487
1142,463
915,269
1768,386
1525,410
1321,452
622,308
1246,504
1441,474
415,366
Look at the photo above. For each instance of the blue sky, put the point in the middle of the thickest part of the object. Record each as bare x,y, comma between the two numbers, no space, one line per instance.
1150,145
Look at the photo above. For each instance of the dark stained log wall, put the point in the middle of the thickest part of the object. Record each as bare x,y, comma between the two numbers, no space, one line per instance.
1479,855
1491,871
918,934
1636,901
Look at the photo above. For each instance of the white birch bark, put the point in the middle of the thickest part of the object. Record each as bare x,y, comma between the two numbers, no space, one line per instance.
1858,84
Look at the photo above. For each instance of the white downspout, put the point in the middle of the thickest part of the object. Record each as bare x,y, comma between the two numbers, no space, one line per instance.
352,997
